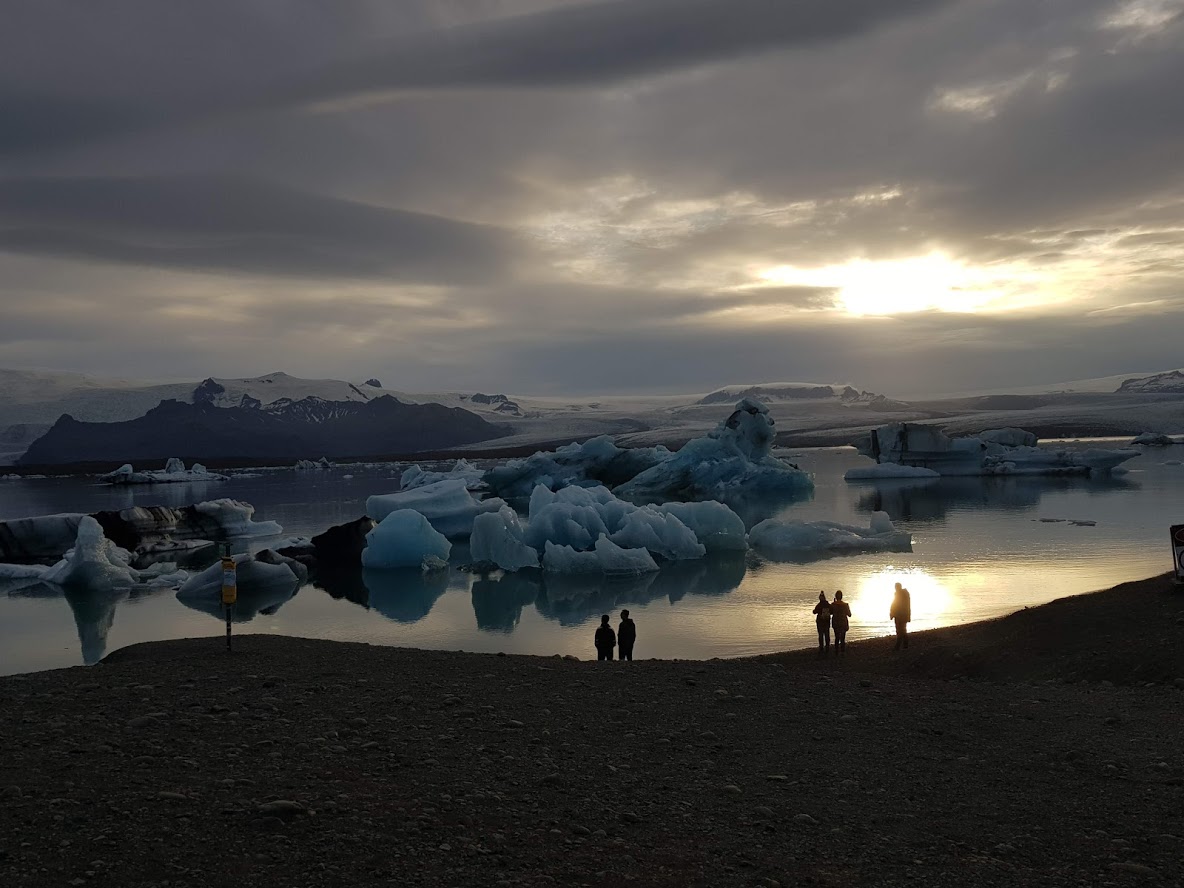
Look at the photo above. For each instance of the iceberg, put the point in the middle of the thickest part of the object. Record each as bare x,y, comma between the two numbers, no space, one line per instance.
578,516
265,581
462,470
733,460
174,473
991,453
313,465
404,538
1153,439
498,539
448,505
140,528
596,461
605,558
714,525
94,564
819,538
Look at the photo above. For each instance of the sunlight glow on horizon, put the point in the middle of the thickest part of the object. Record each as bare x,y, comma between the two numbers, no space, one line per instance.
901,286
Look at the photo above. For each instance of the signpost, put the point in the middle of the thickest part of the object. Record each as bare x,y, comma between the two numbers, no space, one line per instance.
1178,551
229,591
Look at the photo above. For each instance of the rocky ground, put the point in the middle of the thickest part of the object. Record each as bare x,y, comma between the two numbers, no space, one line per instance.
303,763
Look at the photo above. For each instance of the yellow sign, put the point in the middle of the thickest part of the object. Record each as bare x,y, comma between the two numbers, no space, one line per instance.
229,582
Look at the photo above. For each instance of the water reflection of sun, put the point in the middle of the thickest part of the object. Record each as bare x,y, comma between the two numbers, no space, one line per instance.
932,600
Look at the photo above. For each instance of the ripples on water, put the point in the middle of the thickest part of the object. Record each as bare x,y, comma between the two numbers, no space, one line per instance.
982,547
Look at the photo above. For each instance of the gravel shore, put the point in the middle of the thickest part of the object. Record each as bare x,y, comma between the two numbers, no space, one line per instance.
1039,749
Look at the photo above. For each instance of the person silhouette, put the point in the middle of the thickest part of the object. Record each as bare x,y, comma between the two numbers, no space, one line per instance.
606,639
626,636
901,612
822,621
840,617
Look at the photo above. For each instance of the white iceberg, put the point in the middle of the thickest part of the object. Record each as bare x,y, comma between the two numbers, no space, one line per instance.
815,537
174,473
733,460
888,471
404,538
234,518
448,505
912,444
498,538
596,460
462,470
605,558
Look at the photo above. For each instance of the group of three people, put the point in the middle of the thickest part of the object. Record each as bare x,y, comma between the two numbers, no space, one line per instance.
622,639
837,615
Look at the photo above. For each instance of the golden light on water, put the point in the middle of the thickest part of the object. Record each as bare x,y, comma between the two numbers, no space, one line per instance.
933,600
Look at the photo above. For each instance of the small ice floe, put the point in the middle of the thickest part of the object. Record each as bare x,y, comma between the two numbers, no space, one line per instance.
820,537
1051,520
1082,522
174,473
1153,439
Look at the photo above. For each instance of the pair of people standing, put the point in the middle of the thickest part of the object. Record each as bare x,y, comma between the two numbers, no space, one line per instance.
624,637
828,614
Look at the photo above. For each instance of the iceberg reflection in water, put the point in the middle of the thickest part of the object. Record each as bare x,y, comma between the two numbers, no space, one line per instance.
499,597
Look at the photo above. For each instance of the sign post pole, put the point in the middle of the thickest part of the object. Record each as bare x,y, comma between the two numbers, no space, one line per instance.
229,592
1178,551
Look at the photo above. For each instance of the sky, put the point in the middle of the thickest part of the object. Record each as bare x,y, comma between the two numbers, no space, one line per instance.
572,197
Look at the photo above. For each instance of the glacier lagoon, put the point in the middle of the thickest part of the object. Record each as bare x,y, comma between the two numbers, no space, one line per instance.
982,547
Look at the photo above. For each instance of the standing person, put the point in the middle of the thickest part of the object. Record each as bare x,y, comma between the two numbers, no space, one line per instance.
606,640
901,612
840,617
822,620
626,635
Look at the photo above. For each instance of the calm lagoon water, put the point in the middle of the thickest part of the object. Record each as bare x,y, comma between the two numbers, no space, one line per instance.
982,547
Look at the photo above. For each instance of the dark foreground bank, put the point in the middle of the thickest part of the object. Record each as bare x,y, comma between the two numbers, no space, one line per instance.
297,762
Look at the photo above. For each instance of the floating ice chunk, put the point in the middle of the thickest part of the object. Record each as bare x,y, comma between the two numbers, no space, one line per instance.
717,527
1080,522
236,518
888,471
732,460
1172,462
1153,439
22,571
462,470
313,465
448,505
404,538
94,563
606,558
174,473
802,537
264,568
498,539
595,460
658,532
913,444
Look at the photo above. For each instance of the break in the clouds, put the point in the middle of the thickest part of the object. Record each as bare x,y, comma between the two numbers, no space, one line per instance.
554,195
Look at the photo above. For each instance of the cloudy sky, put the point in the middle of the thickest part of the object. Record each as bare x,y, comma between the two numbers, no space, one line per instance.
546,196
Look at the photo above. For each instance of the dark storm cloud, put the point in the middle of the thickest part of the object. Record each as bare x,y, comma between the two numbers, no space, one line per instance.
587,44
221,223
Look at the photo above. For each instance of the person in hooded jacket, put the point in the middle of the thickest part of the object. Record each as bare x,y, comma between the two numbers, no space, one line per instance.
822,621
606,640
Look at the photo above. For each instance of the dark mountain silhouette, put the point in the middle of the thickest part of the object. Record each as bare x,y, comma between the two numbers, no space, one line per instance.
285,429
